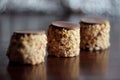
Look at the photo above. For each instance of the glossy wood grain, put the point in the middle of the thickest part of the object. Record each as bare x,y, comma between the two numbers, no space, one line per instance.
97,65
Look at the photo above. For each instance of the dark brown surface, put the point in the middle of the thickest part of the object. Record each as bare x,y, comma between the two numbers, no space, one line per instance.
102,65
29,32
65,24
93,20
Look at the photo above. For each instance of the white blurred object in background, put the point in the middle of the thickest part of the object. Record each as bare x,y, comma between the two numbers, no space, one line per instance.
45,6
99,7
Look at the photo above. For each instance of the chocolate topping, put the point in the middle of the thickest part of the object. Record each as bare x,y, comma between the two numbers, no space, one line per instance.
29,32
64,24
93,20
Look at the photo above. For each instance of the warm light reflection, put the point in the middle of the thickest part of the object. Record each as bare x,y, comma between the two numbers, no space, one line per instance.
94,63
63,68
27,72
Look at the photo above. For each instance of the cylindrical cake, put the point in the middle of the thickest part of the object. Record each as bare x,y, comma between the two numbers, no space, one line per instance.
95,33
27,47
63,39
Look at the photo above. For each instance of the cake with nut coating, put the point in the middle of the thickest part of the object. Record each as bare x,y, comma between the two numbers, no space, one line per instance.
63,39
95,33
27,47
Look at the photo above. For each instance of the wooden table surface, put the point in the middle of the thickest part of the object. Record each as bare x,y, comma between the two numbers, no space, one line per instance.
99,65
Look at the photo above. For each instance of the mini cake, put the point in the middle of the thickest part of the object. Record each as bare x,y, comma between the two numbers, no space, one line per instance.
63,39
27,47
95,33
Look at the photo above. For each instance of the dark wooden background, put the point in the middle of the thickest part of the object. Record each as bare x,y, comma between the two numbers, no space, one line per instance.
99,65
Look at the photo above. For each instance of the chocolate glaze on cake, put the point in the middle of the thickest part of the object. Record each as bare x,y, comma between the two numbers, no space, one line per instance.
29,32
93,20
64,24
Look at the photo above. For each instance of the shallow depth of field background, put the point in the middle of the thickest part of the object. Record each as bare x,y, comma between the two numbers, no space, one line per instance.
97,7
38,14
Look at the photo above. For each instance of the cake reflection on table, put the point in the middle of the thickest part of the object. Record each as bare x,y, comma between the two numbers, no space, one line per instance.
63,68
94,63
26,72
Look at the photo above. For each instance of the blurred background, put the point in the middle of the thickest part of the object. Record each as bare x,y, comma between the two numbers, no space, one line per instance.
106,7
38,14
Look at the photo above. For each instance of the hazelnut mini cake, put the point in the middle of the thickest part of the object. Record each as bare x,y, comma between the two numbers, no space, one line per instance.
63,39
95,33
27,47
